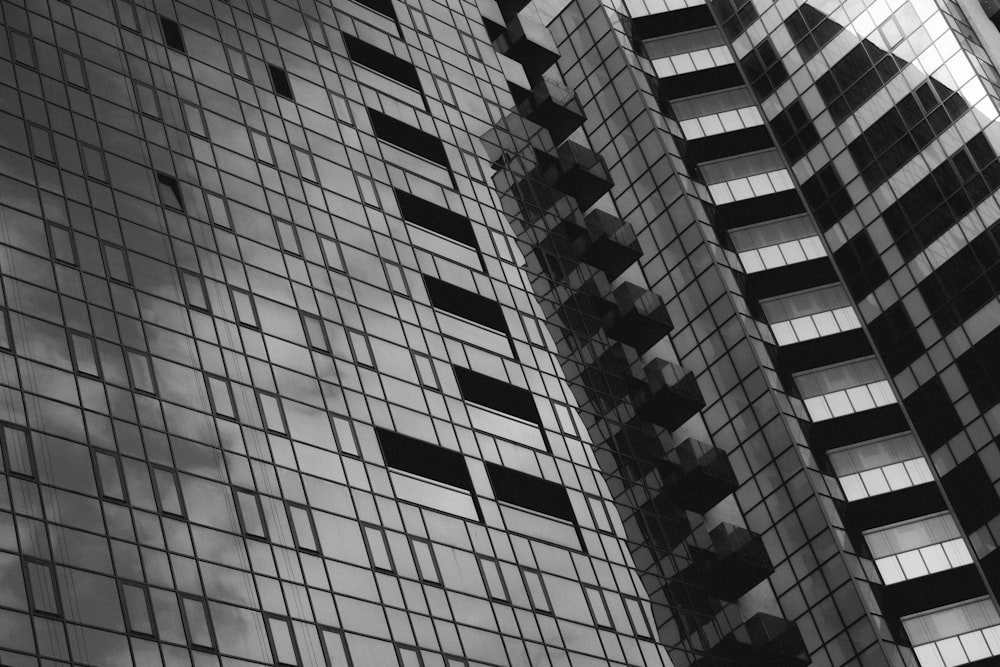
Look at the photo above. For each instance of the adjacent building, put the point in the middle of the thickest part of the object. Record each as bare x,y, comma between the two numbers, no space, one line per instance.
374,332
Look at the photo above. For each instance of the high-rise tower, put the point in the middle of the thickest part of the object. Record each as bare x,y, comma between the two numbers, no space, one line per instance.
578,332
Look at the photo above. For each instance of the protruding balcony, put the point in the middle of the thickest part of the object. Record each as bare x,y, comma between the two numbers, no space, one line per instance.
640,319
528,42
637,448
493,18
611,245
739,562
585,310
584,175
554,107
559,251
664,523
670,396
697,476
763,641
611,375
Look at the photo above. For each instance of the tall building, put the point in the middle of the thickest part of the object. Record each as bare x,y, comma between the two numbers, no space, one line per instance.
419,332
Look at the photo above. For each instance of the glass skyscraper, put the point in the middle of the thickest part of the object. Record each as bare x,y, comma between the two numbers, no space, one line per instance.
451,333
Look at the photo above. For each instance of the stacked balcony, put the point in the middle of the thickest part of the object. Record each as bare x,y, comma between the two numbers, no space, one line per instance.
639,319
697,476
670,395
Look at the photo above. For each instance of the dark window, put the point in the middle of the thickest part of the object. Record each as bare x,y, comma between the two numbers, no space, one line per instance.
980,366
170,191
860,265
279,79
764,69
964,283
383,62
496,394
533,493
424,459
172,36
383,7
811,29
466,304
855,77
436,218
971,493
795,131
943,197
735,15
825,193
408,137
896,338
933,414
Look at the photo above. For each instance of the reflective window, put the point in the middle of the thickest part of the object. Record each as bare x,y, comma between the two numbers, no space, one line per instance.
274,416
168,492
378,548
84,357
43,592
251,515
197,622
109,476
18,456
221,396
282,643
135,600
303,528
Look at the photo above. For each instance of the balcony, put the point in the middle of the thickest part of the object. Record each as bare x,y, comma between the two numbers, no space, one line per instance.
664,524
697,476
637,449
610,379
610,244
640,320
552,106
737,562
670,396
584,311
584,175
763,641
528,42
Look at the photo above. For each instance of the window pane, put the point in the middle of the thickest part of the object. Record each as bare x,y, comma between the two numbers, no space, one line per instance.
137,609
197,623
44,597
281,640
168,493
17,448
250,515
305,535
378,548
110,476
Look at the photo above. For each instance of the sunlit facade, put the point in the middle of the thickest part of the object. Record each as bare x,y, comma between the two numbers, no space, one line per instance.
573,332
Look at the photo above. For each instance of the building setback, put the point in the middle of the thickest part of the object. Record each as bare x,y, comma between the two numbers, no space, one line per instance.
375,333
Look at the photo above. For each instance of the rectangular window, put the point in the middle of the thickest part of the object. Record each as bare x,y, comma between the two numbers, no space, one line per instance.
426,563
146,97
536,591
238,63
303,528
383,62
84,358
194,290
334,648
359,345
261,147
135,599
251,514
271,410
598,607
221,396
195,121
408,137
279,79
170,191
465,304
198,623
109,476
116,261
168,491
533,493
304,162
283,647
172,36
424,459
288,238
246,313
378,548
73,68
425,370
42,588
140,370
20,46
6,341
93,163
315,333
61,242
331,254
41,143
18,455
219,211
494,579
435,218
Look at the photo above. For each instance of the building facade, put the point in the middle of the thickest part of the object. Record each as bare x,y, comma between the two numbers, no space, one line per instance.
373,333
